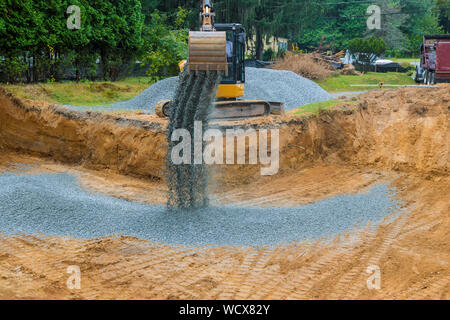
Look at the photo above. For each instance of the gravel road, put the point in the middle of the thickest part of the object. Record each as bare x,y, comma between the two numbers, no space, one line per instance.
55,204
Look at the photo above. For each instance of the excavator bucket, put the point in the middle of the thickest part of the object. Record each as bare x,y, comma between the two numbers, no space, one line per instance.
208,51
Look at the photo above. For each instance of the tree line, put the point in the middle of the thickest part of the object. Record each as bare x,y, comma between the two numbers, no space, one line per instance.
36,45
334,23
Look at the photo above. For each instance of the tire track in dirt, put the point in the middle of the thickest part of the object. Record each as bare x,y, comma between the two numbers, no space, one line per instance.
234,280
342,285
302,280
351,289
255,276
433,291
418,228
41,269
216,273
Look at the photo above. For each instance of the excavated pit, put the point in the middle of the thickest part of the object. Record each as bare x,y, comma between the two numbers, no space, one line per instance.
404,130
358,137
401,136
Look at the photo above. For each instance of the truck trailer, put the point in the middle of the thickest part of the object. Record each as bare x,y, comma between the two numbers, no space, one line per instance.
435,59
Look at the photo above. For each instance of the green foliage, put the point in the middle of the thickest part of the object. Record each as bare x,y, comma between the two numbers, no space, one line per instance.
165,46
36,32
442,11
333,26
117,34
33,33
13,68
269,54
366,51
418,25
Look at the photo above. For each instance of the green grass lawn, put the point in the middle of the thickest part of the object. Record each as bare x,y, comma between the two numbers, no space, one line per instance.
82,93
404,60
315,107
341,83
106,93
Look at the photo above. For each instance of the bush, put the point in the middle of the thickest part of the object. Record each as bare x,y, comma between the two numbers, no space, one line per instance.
268,54
394,53
12,69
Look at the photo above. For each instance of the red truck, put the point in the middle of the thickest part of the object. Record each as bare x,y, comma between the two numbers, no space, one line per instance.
435,60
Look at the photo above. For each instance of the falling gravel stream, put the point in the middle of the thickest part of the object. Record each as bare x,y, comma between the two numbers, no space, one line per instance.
193,102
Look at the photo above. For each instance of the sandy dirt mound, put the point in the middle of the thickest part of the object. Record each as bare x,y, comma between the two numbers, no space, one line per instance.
404,130
305,65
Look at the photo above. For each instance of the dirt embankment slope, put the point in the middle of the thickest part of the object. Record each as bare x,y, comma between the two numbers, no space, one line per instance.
127,145
402,130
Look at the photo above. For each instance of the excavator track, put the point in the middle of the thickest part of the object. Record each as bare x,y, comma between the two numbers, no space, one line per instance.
231,109
162,108
237,109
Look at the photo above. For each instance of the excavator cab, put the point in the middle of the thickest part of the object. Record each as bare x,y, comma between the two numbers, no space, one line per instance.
220,47
232,85
207,52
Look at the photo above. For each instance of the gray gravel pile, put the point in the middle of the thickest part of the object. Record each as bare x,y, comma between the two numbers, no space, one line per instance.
282,86
261,84
54,204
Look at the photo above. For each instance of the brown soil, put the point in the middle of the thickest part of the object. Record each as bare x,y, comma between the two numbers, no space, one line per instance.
98,141
400,137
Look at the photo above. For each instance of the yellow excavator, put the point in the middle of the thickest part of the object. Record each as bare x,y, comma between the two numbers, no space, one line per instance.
221,47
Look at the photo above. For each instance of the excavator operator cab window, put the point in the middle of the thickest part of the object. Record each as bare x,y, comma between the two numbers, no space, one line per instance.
230,53
235,55
230,47
240,57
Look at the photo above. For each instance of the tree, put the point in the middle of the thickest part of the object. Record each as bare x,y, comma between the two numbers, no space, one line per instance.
118,33
262,19
332,24
164,46
18,37
366,51
422,19
442,10
391,23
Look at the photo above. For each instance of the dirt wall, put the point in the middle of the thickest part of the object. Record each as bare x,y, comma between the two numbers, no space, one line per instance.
405,130
402,130
98,141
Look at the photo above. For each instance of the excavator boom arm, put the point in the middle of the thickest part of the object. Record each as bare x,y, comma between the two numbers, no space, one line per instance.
207,16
